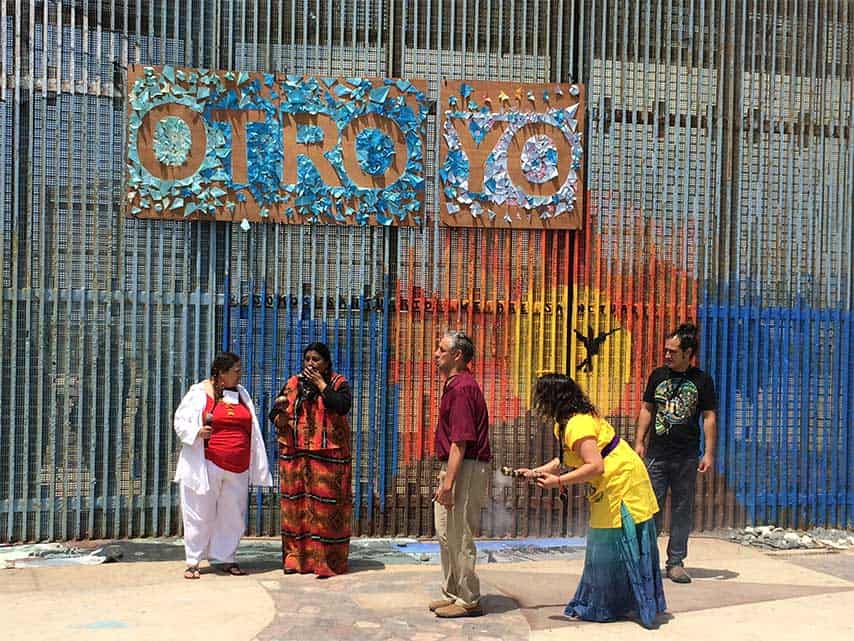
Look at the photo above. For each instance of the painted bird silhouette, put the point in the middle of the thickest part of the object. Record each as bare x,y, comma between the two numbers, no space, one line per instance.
592,344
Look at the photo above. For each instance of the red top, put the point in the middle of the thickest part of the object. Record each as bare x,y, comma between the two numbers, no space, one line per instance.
229,444
463,417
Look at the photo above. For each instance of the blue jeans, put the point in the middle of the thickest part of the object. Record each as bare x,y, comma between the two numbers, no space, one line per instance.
680,475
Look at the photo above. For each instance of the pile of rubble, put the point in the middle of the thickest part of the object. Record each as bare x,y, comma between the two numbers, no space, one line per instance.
768,536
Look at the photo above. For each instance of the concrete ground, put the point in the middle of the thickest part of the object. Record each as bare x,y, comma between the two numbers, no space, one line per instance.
738,593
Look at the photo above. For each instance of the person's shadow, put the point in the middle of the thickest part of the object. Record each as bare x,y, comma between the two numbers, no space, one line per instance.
498,603
363,565
712,573
265,565
662,619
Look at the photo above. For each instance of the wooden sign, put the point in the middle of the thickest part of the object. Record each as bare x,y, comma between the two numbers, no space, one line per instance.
511,155
255,146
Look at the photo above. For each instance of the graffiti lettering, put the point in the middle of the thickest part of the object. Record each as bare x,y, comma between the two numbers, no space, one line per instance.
428,305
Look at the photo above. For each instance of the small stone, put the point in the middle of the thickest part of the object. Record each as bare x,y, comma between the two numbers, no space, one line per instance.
425,557
749,530
309,610
806,541
776,535
366,625
791,537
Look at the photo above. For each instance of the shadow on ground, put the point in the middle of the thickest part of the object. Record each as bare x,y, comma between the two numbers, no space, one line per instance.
710,573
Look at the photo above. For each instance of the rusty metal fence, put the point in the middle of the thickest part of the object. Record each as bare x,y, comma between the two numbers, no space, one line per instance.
719,176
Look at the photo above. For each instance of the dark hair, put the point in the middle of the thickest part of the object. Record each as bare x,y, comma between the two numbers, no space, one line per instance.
223,362
558,397
687,335
463,343
320,348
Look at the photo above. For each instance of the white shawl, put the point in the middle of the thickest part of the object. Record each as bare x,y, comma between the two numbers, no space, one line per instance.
191,469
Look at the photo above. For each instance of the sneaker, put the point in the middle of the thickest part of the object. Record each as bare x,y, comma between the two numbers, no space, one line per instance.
440,603
454,611
677,574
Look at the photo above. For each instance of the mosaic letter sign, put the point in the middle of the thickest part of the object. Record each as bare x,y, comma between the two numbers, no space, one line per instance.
511,155
255,146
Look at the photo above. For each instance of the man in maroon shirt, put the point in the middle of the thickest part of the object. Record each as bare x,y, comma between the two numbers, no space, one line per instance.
462,444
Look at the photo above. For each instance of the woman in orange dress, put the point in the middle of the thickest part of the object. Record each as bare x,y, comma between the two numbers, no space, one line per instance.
310,415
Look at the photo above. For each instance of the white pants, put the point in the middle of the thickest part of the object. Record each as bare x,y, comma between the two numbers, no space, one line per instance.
214,522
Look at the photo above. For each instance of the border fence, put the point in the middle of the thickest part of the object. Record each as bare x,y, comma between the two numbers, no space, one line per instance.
719,183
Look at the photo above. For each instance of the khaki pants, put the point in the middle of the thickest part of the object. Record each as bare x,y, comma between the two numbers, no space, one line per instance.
455,530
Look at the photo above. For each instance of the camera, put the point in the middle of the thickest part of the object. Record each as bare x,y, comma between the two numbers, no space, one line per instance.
307,389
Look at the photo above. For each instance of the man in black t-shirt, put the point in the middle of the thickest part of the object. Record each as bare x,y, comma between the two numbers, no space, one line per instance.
676,396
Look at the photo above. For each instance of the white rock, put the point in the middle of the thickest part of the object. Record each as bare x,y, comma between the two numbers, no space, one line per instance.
764,530
366,625
791,537
806,541
749,530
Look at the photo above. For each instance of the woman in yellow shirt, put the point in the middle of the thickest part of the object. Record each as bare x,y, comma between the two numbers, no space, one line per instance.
621,566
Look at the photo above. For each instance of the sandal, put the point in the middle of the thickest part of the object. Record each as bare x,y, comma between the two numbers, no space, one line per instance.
192,572
233,569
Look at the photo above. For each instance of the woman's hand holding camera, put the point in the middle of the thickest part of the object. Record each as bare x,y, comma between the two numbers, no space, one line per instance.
311,374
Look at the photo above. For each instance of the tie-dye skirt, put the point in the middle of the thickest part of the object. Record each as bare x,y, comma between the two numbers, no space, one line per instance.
622,575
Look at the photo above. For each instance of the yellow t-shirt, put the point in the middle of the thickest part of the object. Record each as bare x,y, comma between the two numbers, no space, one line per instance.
624,481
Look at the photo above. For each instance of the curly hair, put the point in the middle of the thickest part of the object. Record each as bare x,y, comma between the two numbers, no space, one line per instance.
558,397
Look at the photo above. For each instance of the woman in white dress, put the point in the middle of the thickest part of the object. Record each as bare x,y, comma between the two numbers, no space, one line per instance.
223,454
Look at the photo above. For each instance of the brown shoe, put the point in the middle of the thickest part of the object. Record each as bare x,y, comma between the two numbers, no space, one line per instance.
440,603
677,574
454,611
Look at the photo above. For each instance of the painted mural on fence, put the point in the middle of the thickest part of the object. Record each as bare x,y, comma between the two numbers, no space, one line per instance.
260,146
357,340
511,155
532,307
534,301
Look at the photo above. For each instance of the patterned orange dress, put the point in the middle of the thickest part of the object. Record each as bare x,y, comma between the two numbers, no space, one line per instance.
315,469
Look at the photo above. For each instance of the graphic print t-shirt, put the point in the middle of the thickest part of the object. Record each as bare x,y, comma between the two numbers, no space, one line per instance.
680,398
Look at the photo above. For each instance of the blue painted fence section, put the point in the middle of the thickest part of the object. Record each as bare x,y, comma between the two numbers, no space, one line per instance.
270,341
784,379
